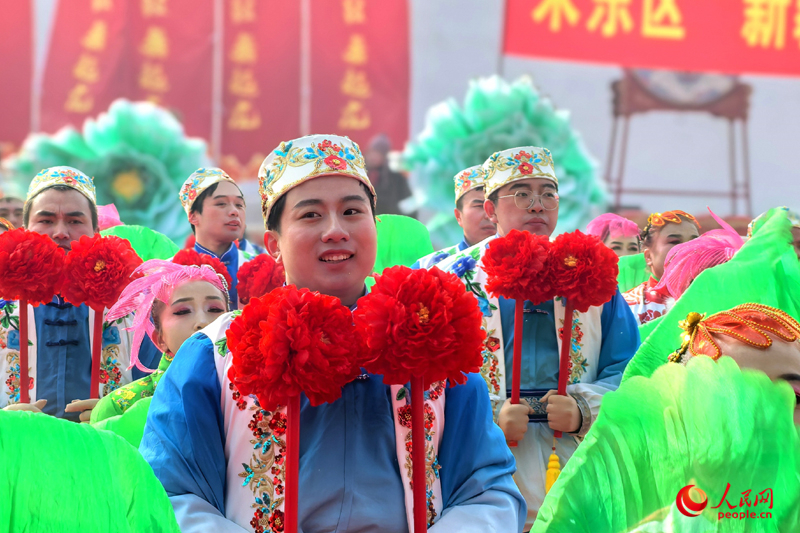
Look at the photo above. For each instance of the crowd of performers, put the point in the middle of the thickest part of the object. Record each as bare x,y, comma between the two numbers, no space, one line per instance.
696,317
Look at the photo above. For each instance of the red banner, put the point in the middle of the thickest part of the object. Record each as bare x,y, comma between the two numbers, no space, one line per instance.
16,70
261,95
360,69
727,36
86,65
172,58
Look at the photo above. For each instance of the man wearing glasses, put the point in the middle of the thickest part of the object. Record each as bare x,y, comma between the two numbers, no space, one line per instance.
521,191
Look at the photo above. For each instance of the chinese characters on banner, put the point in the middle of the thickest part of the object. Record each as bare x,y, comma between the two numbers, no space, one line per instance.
359,69
732,36
16,71
171,44
87,66
261,94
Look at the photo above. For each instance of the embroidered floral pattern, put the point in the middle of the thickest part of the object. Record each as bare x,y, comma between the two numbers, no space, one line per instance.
110,372
432,466
264,475
507,166
577,362
469,179
62,176
489,369
200,180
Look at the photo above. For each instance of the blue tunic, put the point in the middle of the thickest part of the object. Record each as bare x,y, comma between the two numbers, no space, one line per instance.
231,261
349,474
540,357
64,355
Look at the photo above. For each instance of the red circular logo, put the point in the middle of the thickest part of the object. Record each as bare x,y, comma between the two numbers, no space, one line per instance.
691,500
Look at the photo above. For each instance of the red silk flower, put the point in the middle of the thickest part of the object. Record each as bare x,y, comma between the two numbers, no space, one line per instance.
30,266
259,276
192,257
291,341
583,269
420,323
97,269
516,266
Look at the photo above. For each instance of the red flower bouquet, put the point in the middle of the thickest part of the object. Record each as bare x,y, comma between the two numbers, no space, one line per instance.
420,323
516,266
31,265
292,341
259,276
97,270
30,271
192,257
583,269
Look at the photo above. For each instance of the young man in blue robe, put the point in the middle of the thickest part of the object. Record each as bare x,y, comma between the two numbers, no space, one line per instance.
215,208
469,214
522,194
61,204
221,457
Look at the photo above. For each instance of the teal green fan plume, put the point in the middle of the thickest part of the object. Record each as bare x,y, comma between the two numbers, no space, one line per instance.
705,424
497,115
138,155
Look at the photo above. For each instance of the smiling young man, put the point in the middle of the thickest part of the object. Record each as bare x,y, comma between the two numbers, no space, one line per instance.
221,457
215,207
522,194
469,214
61,204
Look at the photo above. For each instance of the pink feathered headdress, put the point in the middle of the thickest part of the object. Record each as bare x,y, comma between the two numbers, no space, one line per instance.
160,279
686,261
611,224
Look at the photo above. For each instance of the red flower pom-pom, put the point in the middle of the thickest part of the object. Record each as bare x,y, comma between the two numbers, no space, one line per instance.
292,341
97,269
420,323
259,276
30,266
192,257
516,266
583,269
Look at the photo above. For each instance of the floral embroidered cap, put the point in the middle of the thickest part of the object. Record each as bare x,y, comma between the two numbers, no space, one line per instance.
468,179
200,180
518,164
68,176
312,156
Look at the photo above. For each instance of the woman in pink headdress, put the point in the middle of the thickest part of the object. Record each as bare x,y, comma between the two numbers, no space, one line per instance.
616,232
170,303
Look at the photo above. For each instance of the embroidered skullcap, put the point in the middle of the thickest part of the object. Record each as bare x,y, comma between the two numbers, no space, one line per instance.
67,176
516,164
200,180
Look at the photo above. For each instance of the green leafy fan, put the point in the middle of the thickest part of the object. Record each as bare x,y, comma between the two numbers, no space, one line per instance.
497,115
138,155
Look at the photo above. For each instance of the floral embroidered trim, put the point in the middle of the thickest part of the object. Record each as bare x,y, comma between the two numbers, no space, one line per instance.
490,368
432,465
110,373
12,382
265,474
577,362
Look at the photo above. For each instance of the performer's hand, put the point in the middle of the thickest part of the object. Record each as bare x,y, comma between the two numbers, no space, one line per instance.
84,407
35,407
562,412
513,420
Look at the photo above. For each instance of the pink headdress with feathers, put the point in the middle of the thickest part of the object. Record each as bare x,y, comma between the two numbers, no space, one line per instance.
686,261
611,224
160,279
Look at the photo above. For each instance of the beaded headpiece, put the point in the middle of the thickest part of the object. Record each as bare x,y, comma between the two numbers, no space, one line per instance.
200,180
160,279
515,164
657,220
312,156
67,176
6,224
469,179
751,324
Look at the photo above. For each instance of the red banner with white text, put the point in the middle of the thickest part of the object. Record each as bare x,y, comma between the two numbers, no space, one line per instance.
171,49
360,69
261,94
16,71
87,65
727,36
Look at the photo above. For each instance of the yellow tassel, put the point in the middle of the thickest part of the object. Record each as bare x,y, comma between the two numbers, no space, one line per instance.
553,470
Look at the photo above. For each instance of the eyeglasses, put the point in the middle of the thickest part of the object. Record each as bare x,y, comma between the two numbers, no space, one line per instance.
526,200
